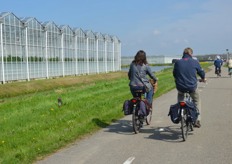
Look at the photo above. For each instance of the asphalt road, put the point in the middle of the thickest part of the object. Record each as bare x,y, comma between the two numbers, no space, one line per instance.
161,142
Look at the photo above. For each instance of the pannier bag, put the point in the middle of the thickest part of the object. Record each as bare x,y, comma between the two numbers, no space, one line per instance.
192,111
174,113
143,110
127,107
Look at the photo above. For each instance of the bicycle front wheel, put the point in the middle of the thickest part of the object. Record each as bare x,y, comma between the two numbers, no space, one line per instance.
135,121
149,116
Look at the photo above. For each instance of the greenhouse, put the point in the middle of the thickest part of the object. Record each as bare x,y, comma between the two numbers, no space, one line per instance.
30,49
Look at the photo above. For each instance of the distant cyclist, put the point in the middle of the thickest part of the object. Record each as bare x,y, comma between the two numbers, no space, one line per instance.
184,72
229,64
218,63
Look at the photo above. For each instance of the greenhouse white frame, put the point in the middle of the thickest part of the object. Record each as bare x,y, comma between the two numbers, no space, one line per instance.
30,49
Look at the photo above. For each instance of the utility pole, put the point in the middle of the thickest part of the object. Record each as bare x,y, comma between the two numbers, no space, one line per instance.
227,54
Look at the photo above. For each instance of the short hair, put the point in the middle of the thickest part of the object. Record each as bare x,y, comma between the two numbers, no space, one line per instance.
188,50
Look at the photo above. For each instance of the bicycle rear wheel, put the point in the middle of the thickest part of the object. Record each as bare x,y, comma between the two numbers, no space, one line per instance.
184,126
149,116
135,121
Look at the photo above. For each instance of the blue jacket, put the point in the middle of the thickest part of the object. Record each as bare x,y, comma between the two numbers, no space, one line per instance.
185,73
218,63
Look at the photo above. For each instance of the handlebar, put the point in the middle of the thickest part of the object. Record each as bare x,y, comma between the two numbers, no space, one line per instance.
202,80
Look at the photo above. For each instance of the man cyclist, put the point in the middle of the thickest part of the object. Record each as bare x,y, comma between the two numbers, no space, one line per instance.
184,72
218,63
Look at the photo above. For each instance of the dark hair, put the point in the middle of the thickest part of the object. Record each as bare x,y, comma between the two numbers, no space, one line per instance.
140,58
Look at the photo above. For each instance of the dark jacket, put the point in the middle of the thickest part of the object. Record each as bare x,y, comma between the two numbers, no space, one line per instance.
218,63
185,71
138,75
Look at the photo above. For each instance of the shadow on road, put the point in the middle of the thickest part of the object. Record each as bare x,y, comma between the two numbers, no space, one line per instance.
121,127
166,134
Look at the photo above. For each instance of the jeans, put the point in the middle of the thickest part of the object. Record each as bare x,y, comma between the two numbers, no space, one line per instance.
149,96
196,99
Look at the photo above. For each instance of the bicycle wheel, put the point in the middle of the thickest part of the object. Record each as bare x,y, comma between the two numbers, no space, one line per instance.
184,126
149,116
135,121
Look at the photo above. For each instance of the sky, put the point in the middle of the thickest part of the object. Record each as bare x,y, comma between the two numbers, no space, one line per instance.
159,27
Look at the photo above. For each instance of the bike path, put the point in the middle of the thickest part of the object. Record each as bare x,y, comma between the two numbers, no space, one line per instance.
161,142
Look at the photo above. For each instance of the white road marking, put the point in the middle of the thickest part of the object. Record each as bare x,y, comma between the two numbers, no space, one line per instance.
129,160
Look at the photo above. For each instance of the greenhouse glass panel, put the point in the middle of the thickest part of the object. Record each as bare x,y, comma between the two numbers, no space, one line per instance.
92,52
68,50
101,52
81,51
36,48
13,44
109,50
116,52
54,57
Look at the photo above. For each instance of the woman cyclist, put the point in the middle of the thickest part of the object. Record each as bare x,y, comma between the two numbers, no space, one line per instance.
139,69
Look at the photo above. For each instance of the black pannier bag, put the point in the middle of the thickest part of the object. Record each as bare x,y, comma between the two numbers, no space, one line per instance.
174,113
142,108
192,111
127,107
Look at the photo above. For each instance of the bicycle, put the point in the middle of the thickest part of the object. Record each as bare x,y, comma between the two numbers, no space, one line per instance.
187,118
140,111
217,72
230,72
186,113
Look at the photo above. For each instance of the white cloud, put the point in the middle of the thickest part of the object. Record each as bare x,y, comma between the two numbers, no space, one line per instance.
186,41
156,32
176,41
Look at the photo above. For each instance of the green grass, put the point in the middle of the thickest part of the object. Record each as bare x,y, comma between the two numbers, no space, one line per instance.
33,126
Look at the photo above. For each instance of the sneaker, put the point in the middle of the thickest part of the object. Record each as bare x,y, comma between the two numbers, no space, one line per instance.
197,124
